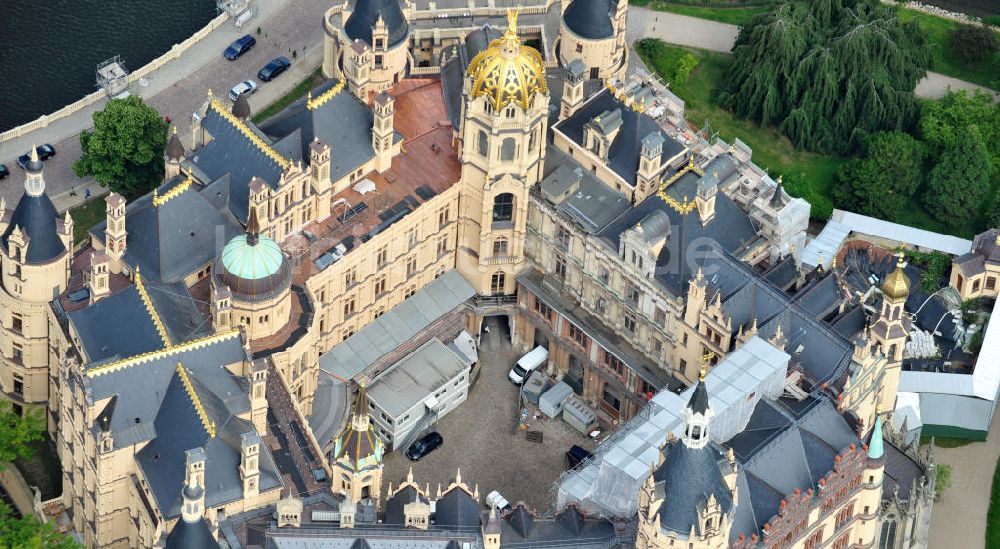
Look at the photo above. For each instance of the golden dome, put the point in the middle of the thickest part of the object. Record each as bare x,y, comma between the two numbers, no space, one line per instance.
897,284
506,71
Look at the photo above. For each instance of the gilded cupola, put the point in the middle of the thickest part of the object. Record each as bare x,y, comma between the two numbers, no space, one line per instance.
508,72
897,284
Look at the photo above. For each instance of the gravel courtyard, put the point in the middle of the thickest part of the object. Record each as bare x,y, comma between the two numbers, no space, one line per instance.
480,438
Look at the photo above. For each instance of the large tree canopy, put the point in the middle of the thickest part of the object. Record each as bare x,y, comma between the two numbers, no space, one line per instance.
943,120
880,183
125,150
17,433
29,532
827,72
960,182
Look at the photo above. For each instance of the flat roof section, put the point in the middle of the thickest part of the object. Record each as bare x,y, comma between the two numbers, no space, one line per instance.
414,378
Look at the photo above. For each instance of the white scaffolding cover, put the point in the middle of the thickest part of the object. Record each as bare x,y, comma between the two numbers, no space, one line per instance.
609,484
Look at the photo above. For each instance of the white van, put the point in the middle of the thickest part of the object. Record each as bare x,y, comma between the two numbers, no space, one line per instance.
494,499
535,358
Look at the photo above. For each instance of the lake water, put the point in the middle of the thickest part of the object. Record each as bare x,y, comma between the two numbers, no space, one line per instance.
49,49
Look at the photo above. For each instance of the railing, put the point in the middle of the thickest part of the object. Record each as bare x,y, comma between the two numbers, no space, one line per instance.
175,52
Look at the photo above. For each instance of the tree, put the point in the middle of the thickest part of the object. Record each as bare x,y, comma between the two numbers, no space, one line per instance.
943,480
960,181
685,65
125,150
17,433
29,532
827,72
880,183
942,120
973,43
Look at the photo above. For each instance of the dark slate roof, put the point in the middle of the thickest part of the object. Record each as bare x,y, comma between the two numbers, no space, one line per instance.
241,107
781,449
175,149
37,217
699,399
901,472
689,477
457,508
395,504
366,13
521,520
590,19
116,326
178,237
178,311
783,274
821,297
191,535
342,122
623,156
179,428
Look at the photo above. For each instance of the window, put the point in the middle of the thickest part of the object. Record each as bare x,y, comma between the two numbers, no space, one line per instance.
379,312
610,399
991,283
604,275
18,385
500,246
633,293
542,309
503,207
411,238
577,335
560,266
508,148
562,237
630,321
975,286
442,246
411,267
814,540
409,292
613,363
483,142
659,316
497,282
381,257
579,47
379,286
844,516
17,323
18,354
350,278
378,60
601,306
657,346
350,307
684,339
443,215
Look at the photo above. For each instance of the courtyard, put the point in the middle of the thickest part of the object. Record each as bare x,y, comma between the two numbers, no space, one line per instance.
480,437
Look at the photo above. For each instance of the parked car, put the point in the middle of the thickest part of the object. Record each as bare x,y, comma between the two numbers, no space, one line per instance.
4,171
575,455
527,363
239,47
245,87
45,151
277,66
430,442
494,499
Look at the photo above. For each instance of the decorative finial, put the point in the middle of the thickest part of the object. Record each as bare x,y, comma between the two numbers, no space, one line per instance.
209,92
899,262
701,373
512,21
174,129
253,229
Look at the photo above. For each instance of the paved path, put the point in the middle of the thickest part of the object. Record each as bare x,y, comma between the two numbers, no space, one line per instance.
961,513
178,88
711,35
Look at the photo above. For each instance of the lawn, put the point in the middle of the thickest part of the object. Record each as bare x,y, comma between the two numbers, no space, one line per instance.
807,175
299,91
985,73
85,216
993,515
738,15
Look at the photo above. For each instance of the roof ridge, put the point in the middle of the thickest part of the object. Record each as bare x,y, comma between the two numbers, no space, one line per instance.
207,423
249,134
159,200
165,352
319,100
160,328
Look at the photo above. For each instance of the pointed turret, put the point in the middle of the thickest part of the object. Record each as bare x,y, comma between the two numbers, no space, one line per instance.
253,227
778,199
241,107
175,149
875,447
35,218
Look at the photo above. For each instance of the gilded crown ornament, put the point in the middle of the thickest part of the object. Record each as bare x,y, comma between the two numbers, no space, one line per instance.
508,72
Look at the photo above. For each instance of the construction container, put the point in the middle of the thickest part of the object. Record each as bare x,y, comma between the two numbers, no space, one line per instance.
551,401
578,415
536,384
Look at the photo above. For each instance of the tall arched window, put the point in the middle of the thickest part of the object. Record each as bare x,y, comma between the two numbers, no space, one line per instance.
500,246
508,149
497,282
503,207
483,143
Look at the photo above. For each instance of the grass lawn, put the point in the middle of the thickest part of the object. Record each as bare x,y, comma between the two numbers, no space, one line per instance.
807,175
299,91
85,216
946,442
739,15
985,73
993,515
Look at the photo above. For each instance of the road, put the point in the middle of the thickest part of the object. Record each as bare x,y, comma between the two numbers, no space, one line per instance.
710,35
179,88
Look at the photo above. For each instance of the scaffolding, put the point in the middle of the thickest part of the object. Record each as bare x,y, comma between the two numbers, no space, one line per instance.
239,11
112,77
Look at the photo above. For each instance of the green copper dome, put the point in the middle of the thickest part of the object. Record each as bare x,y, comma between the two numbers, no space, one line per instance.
252,262
253,266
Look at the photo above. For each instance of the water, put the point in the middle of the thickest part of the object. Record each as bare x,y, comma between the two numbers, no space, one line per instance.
49,49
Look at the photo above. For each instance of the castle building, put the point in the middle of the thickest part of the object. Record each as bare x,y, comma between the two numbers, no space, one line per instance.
357,456
593,32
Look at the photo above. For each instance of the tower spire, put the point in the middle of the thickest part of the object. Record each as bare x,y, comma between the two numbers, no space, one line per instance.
34,183
253,227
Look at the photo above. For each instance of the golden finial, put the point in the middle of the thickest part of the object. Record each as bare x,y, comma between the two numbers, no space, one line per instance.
706,359
512,21
780,178
732,148
210,92
175,129
701,373
997,241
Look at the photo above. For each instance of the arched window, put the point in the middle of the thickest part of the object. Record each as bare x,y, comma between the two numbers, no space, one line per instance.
500,246
483,143
507,149
497,282
708,524
503,207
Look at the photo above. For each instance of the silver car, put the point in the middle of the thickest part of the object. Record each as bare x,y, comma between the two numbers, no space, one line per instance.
246,86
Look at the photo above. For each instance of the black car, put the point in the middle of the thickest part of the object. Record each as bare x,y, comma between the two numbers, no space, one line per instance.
4,171
239,47
45,152
277,66
424,446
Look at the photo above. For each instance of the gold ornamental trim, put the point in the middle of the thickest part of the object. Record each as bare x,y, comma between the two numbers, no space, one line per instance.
249,134
207,423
